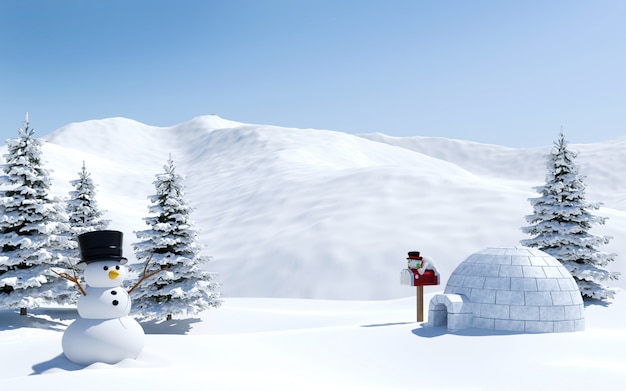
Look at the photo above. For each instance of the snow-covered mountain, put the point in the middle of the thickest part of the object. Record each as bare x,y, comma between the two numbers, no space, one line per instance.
320,214
603,163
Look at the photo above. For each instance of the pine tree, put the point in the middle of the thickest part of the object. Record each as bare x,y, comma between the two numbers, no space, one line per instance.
32,228
171,245
82,209
561,223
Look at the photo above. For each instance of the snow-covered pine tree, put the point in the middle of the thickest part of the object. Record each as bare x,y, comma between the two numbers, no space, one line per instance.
83,213
82,209
561,223
171,246
33,228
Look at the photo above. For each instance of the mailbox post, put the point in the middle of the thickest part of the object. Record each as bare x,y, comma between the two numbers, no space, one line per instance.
419,295
419,273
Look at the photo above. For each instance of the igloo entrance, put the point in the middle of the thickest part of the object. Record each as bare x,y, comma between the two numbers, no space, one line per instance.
451,311
438,316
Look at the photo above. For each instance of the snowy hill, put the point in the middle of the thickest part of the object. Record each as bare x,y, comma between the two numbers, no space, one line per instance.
603,163
322,214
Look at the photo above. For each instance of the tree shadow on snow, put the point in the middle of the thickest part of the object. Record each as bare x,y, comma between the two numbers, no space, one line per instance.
40,318
427,331
174,326
59,362
600,303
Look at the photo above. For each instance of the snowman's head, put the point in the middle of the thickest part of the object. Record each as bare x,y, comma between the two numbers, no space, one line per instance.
104,274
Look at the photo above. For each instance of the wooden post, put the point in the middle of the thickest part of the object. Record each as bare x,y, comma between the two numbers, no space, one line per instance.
420,303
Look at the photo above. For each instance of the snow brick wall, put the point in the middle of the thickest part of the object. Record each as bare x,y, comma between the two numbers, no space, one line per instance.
509,288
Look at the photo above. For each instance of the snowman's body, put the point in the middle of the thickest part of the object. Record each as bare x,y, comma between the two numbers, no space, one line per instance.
104,332
104,303
87,341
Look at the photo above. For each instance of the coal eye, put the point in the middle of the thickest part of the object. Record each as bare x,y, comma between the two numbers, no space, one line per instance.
117,268
106,268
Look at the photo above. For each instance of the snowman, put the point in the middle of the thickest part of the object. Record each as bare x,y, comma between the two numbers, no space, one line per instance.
104,332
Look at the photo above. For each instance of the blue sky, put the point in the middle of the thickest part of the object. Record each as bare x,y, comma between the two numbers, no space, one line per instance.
500,72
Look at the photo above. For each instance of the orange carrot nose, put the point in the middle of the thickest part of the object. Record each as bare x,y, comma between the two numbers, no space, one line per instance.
113,274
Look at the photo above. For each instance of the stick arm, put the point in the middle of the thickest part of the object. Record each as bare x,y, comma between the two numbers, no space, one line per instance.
73,278
146,276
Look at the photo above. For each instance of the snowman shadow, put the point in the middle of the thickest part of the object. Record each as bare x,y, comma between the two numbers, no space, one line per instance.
56,364
175,326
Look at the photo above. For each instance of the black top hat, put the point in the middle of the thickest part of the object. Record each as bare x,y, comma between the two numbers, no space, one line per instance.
98,246
414,255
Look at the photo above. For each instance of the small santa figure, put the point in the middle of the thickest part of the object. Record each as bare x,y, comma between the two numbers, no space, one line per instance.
416,262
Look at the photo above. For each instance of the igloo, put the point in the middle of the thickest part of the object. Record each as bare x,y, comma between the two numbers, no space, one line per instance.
512,289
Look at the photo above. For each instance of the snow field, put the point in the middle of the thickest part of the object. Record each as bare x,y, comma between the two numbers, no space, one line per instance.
275,344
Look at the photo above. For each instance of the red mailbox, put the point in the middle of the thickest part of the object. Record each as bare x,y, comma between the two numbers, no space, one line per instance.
420,272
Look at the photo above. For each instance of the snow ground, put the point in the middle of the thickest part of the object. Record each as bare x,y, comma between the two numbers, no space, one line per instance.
276,344
308,230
